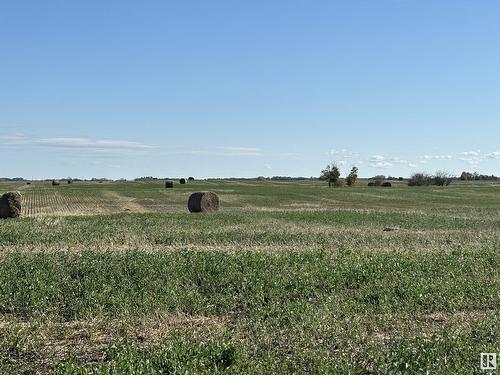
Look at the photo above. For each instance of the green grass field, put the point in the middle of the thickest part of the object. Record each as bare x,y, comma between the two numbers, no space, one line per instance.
118,278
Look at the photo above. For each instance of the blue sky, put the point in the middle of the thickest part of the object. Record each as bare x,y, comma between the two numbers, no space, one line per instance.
226,88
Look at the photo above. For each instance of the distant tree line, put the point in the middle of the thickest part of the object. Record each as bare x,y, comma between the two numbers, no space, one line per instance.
444,179
6,179
383,177
467,176
146,178
440,178
287,178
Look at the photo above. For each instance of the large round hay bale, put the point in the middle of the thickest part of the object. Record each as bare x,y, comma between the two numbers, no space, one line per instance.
190,178
55,183
169,184
204,201
386,184
10,205
182,181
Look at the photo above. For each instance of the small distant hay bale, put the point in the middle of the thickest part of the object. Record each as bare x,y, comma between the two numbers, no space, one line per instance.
169,184
190,178
182,181
10,205
28,183
55,183
371,184
69,182
386,184
205,201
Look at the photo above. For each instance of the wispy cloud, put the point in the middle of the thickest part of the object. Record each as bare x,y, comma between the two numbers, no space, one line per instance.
471,157
93,144
379,162
383,162
343,154
75,143
438,157
121,146
377,158
471,153
218,151
495,155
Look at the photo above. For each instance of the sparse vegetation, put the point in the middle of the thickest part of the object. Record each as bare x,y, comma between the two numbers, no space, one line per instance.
442,178
420,179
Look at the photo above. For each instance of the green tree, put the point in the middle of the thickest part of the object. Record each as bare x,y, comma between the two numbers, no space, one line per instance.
331,174
352,177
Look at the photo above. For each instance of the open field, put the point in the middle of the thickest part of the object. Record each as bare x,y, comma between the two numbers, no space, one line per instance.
118,278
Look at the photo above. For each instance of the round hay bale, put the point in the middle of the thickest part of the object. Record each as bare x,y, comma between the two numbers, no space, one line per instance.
169,185
10,205
55,183
386,184
190,178
371,184
205,201
182,181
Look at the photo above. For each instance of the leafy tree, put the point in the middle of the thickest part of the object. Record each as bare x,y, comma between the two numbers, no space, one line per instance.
352,177
331,174
442,178
420,179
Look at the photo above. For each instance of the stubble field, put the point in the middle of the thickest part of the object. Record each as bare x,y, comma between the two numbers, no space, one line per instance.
118,278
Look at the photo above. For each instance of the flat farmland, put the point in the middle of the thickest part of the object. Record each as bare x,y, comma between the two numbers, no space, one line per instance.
118,278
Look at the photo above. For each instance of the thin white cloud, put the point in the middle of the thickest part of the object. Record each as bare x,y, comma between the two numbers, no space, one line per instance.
381,164
13,138
95,144
377,158
118,146
75,143
494,155
471,157
397,160
438,157
219,151
471,153
343,154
